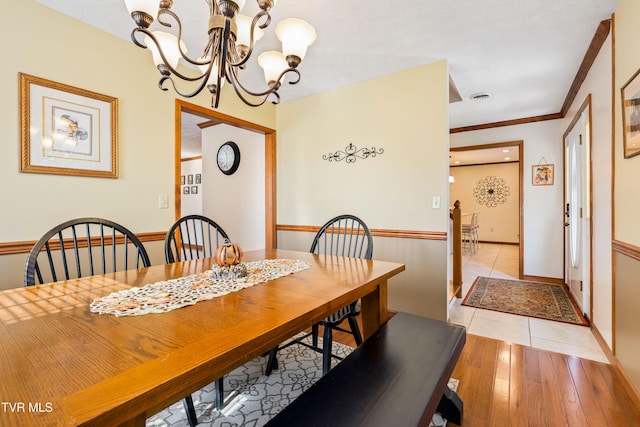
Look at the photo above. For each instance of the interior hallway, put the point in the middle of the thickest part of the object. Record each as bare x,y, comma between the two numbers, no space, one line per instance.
498,260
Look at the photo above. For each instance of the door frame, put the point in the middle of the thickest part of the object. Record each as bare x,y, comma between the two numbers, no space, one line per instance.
520,145
586,104
216,117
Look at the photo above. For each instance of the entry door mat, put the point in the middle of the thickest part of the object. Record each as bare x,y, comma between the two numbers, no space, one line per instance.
252,399
532,299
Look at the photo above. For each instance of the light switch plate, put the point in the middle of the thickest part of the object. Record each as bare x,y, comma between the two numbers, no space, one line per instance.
435,202
163,201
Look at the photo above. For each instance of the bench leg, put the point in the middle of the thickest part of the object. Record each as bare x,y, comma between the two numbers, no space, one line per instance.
450,407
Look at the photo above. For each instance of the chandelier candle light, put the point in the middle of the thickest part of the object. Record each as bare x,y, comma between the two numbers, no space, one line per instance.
231,40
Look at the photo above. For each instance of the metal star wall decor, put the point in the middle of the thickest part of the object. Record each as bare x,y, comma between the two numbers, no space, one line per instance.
491,191
352,153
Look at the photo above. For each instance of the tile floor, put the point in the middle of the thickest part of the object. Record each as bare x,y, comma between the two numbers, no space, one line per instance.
496,260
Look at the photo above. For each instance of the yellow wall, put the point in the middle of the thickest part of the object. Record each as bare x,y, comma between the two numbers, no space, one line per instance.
627,171
626,199
406,114
500,223
47,44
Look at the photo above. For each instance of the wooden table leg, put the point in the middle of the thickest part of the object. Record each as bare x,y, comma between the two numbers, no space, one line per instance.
374,310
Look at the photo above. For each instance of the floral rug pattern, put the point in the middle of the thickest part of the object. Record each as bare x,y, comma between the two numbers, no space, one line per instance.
252,399
533,299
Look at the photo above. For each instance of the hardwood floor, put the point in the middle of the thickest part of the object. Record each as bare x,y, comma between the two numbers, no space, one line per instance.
503,384
510,384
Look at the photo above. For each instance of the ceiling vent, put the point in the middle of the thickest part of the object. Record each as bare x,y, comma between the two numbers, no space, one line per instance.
480,96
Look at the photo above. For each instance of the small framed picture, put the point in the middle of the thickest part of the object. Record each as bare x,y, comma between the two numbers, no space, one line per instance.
194,189
198,178
182,180
185,190
189,179
542,174
631,116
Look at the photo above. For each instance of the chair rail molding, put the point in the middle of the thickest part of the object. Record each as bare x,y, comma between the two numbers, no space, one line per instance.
379,232
24,247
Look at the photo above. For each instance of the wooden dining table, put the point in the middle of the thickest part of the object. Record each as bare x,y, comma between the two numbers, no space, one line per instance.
61,364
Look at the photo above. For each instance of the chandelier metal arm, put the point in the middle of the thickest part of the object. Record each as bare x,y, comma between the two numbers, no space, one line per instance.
162,55
241,91
262,26
196,91
183,54
135,39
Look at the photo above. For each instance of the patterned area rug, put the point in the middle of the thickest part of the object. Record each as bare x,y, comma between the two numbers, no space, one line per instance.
252,399
532,299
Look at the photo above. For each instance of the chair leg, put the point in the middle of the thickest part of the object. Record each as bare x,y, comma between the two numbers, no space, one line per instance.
314,335
474,244
355,330
220,393
326,349
272,362
190,410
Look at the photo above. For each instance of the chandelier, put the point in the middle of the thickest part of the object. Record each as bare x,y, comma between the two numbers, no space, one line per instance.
231,40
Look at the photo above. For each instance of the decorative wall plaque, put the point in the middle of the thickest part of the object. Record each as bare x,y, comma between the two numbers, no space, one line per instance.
352,153
491,191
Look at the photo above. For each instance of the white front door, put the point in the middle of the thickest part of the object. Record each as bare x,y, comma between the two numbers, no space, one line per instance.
577,215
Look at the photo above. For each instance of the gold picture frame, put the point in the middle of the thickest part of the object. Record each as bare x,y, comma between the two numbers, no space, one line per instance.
630,94
65,130
542,174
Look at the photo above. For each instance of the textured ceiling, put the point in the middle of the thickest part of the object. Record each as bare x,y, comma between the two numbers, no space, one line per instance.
525,53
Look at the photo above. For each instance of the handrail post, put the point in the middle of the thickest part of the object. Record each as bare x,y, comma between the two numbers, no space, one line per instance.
456,215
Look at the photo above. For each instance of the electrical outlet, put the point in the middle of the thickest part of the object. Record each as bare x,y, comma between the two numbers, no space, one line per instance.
163,201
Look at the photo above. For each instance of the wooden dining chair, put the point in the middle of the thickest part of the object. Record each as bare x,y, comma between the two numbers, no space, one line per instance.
347,236
83,247
195,237
470,233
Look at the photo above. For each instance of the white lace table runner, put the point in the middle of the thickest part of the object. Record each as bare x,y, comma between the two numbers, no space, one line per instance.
171,294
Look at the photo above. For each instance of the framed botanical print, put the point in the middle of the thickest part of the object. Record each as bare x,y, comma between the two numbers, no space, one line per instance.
631,116
66,130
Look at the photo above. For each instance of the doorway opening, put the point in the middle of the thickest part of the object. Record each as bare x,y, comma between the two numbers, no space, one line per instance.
492,154
212,118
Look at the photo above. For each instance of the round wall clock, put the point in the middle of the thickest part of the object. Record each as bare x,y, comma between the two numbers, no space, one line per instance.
228,157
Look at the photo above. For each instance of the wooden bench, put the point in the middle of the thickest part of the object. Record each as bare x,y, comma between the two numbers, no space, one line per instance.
397,377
